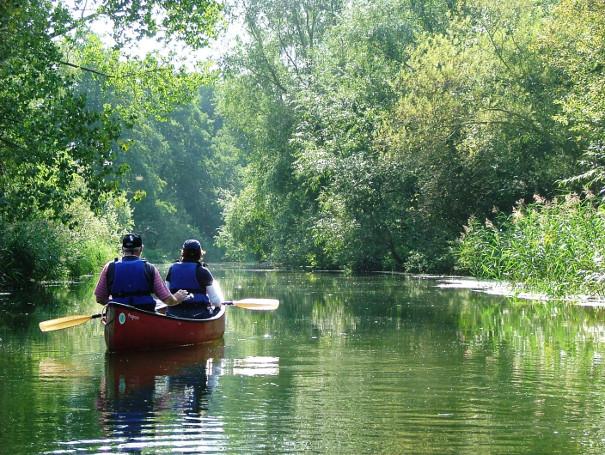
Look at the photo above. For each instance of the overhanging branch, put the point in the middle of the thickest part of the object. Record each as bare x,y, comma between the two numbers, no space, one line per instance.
84,68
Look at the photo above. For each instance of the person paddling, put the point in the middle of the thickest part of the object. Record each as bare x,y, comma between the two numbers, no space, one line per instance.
191,274
132,280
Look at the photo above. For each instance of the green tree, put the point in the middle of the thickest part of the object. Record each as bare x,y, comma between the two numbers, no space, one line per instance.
474,124
48,131
573,46
316,191
58,144
177,169
362,197
258,100
47,135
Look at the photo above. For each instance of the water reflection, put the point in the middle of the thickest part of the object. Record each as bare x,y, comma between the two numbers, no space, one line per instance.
151,402
252,366
363,364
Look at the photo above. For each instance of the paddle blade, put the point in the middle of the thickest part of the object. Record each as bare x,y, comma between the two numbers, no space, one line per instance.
257,304
63,323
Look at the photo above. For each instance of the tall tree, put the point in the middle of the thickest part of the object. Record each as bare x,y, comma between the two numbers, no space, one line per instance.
64,101
402,120
474,120
318,196
48,131
361,195
573,47
177,169
258,97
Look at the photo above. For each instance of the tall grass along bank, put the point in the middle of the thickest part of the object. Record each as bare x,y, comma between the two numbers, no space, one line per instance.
556,247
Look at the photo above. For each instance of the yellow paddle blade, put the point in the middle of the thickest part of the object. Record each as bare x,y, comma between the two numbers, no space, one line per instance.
65,322
257,304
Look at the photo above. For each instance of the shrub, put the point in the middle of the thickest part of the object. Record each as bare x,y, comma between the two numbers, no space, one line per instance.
41,249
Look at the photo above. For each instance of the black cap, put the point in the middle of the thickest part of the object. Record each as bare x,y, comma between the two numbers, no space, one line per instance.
132,241
192,244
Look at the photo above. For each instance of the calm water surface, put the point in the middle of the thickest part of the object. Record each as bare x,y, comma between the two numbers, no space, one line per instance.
372,364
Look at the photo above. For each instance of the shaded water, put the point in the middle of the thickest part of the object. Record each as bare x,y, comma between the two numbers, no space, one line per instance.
372,364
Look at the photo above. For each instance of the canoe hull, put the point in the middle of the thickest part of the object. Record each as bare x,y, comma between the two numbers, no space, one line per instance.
131,329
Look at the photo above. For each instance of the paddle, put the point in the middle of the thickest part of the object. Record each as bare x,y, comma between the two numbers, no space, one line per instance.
71,321
249,304
255,304
65,322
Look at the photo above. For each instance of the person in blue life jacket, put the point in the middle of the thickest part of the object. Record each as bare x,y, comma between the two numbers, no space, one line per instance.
132,280
192,275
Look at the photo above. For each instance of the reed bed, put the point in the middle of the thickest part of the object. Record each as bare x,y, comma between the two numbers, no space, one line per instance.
555,247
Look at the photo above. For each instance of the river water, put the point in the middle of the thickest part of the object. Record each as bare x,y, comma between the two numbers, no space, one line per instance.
380,363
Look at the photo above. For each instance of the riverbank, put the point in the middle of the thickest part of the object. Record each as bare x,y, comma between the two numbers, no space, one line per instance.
508,290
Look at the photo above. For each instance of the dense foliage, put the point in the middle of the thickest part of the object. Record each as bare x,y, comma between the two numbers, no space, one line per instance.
177,170
557,246
64,102
374,130
358,135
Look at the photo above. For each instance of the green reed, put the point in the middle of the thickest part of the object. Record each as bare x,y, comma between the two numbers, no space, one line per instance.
556,247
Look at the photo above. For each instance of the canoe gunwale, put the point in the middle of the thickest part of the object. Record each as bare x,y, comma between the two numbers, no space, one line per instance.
156,314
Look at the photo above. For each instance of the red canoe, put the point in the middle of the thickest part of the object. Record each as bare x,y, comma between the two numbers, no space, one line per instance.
131,329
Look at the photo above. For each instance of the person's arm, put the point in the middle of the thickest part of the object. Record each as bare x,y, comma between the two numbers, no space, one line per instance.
176,298
167,280
215,293
213,288
101,290
164,294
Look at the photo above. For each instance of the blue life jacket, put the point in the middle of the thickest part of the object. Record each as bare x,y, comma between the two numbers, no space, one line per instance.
183,275
131,282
